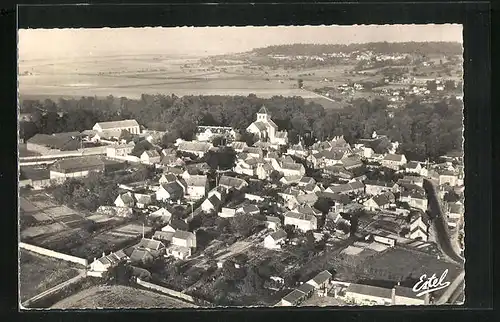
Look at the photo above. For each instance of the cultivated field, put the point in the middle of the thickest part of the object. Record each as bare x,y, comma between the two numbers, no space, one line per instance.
39,273
118,297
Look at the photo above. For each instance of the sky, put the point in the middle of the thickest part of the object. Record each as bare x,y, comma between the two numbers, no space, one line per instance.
198,41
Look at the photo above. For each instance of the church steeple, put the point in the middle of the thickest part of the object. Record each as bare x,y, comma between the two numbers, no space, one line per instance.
262,114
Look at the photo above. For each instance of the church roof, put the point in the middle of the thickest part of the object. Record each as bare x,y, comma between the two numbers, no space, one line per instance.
263,110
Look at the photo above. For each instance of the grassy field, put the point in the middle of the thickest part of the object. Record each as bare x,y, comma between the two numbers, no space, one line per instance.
38,273
118,297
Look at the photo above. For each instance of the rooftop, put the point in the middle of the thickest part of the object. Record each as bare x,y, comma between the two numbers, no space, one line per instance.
117,124
297,215
294,296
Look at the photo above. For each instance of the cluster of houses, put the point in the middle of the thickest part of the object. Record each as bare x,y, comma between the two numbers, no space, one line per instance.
320,284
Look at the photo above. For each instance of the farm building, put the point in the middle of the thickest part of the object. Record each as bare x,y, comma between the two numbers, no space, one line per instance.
129,125
76,167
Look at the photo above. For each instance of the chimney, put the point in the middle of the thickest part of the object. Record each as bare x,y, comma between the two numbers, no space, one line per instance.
393,296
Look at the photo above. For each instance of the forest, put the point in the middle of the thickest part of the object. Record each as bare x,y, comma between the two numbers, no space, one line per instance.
423,130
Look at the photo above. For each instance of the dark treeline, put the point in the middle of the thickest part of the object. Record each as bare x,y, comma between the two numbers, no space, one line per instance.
423,130
419,48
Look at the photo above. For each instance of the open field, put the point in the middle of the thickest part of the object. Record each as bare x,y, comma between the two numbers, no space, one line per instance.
39,273
118,297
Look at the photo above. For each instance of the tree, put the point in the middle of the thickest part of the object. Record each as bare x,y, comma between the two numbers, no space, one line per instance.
290,231
223,159
300,83
449,85
431,85
324,205
275,176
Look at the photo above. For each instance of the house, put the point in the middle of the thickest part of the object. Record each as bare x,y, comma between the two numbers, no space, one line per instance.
263,127
125,200
379,202
211,204
273,223
243,167
418,228
174,225
101,265
170,191
454,210
275,239
47,143
250,209
307,289
293,298
141,256
227,212
393,161
373,187
120,150
297,150
143,200
230,182
163,236
321,281
311,188
150,157
193,147
178,252
253,152
150,244
184,238
338,171
363,151
384,238
415,199
207,133
416,180
290,169
111,211
168,178
416,168
239,147
162,215
307,209
128,125
301,221
447,177
197,186
351,187
306,181
372,295
351,162
76,167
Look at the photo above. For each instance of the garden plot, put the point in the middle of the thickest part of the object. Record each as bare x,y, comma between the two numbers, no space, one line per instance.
32,232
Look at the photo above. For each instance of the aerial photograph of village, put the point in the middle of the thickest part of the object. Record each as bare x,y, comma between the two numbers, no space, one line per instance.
205,167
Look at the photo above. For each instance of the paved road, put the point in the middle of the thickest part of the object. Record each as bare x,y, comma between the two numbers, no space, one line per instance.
439,222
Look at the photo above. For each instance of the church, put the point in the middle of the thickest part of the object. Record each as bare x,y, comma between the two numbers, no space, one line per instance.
267,130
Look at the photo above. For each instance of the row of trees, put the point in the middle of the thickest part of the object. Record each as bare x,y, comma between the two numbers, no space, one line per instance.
423,130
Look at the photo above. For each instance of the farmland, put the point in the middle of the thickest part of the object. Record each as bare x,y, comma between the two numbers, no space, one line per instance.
60,228
39,273
118,297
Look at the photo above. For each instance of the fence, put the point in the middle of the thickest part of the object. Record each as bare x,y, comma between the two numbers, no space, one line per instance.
51,253
173,293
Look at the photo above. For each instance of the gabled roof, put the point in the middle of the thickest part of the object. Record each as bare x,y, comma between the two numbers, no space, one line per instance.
260,125
127,198
377,183
193,146
178,224
292,166
307,180
139,254
170,177
173,188
412,164
394,157
351,161
151,153
215,201
163,235
78,164
150,244
294,296
308,210
306,288
117,124
196,181
181,234
382,199
262,110
309,198
273,219
297,215
62,141
322,277
232,182
250,208
380,292
278,235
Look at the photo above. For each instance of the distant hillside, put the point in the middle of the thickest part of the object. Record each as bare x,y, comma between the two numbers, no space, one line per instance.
422,48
